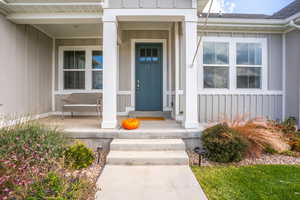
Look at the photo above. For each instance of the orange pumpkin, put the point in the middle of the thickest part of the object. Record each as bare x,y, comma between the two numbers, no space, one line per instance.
130,124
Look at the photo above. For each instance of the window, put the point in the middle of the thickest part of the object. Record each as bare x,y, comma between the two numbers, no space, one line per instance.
216,64
249,65
81,68
97,70
234,63
149,55
74,69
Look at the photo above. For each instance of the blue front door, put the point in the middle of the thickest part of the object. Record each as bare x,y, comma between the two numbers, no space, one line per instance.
148,77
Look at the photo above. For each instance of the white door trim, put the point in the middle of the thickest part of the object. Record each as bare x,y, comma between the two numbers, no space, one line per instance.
165,66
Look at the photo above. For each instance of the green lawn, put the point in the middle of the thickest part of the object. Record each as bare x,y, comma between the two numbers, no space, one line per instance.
263,182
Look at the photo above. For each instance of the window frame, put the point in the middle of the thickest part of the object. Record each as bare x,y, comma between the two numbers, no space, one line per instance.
88,68
233,64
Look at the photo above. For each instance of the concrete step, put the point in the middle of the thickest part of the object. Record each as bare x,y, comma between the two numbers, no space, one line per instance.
134,114
147,145
147,158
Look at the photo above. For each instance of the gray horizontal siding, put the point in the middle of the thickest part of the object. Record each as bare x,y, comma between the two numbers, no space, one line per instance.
213,108
150,4
26,68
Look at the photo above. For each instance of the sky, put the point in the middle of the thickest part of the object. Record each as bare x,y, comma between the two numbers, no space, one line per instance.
249,6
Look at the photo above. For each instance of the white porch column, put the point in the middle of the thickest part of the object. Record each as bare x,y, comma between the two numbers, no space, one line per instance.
190,75
110,53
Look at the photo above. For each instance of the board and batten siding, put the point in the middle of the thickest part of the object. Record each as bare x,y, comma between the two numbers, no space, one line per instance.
293,74
26,69
150,4
219,107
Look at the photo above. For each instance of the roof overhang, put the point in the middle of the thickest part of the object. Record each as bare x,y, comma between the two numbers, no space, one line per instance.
251,25
55,18
58,11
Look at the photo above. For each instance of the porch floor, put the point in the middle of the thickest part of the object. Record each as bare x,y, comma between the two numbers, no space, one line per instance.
90,127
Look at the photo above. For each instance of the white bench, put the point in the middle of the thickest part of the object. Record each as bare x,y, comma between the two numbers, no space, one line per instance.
80,102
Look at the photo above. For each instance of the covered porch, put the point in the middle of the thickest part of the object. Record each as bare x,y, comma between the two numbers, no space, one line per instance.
131,59
99,58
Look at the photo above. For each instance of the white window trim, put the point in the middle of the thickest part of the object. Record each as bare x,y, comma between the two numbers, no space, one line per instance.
88,70
232,65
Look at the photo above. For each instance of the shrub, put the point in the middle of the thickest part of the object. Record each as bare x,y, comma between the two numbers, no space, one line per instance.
270,150
55,186
289,125
27,151
32,139
223,144
261,135
78,156
295,144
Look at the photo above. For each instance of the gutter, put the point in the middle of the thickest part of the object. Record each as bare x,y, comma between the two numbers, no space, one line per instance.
58,4
3,7
257,23
293,24
54,4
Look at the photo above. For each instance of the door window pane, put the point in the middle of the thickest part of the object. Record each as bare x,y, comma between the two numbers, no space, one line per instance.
74,80
97,80
97,60
155,57
216,53
216,77
249,54
249,77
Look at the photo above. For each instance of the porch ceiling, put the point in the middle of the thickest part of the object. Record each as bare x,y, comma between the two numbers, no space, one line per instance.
71,30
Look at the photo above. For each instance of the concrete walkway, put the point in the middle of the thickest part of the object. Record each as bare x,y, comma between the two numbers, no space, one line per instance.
175,182
146,169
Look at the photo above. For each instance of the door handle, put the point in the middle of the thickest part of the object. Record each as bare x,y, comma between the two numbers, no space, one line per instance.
138,84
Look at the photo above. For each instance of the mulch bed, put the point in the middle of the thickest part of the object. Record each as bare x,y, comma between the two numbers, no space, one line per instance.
264,159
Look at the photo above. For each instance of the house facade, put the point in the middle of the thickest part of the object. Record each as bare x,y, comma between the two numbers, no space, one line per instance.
143,56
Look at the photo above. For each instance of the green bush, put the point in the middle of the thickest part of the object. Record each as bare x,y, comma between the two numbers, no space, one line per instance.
57,187
224,144
78,156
